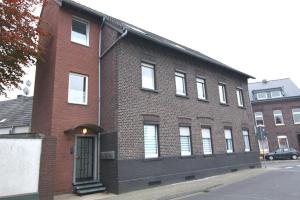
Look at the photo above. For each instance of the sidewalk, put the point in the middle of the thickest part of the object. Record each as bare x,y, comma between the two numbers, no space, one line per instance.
176,190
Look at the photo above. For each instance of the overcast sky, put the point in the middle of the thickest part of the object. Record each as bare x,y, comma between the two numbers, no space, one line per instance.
259,37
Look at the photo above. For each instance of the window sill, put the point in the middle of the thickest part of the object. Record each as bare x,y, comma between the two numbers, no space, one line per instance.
229,154
188,157
152,159
203,100
279,125
83,45
208,155
247,152
79,104
242,107
224,104
182,96
149,90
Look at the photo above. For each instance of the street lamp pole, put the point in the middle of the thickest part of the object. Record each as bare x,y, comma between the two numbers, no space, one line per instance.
262,144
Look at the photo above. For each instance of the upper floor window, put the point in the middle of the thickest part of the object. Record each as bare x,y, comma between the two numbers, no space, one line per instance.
185,141
296,115
78,88
246,140
201,89
259,118
80,31
278,117
148,76
180,83
261,95
206,141
150,141
276,94
228,140
283,142
222,93
240,98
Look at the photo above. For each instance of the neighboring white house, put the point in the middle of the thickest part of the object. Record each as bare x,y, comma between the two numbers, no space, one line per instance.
15,115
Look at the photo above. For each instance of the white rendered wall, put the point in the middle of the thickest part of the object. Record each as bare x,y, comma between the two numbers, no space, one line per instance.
19,166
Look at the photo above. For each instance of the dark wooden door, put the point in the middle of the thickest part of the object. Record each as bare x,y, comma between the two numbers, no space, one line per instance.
85,158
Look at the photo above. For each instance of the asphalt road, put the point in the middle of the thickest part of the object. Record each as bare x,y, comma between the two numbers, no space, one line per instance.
280,183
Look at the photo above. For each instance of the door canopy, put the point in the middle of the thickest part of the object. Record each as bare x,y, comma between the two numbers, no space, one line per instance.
84,129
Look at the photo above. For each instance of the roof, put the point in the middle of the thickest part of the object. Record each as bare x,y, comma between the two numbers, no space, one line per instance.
150,36
288,87
16,112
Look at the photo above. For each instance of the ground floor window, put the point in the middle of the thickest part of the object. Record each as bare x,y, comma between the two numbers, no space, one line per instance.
206,140
151,141
229,140
246,140
283,142
185,141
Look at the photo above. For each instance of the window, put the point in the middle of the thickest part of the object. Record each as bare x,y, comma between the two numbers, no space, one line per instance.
228,140
201,88
259,118
78,89
180,83
261,95
80,31
283,142
240,98
246,140
278,117
150,141
206,140
263,145
222,93
148,76
276,94
185,141
296,115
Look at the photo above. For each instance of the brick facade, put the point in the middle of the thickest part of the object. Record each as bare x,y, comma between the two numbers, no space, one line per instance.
125,107
289,129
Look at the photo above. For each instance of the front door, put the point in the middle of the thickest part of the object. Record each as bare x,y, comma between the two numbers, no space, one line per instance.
85,158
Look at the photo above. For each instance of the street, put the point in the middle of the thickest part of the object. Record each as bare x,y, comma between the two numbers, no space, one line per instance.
281,182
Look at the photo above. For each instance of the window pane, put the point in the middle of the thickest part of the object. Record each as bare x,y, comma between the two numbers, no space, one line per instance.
296,115
278,117
229,141
77,89
240,99
283,142
185,141
180,83
222,93
246,140
261,95
79,32
276,94
150,141
201,88
259,118
148,80
206,140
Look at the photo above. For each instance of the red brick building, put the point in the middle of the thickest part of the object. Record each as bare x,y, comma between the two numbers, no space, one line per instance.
276,106
127,108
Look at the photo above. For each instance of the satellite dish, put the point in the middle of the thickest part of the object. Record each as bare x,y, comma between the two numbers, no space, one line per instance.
26,90
28,83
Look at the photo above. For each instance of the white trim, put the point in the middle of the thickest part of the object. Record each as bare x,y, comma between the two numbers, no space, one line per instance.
95,174
152,67
273,97
265,96
260,115
278,115
222,93
283,137
295,113
187,134
182,76
86,88
151,155
78,19
201,85
240,98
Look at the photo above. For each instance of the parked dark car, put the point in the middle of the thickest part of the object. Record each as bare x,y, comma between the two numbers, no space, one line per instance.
286,153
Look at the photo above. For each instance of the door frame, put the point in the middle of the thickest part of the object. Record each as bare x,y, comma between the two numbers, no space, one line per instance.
96,160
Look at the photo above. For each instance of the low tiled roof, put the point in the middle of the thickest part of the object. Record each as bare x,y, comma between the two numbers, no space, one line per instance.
288,87
150,36
16,112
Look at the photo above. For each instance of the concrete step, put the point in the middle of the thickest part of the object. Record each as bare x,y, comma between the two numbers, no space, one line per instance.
85,186
90,190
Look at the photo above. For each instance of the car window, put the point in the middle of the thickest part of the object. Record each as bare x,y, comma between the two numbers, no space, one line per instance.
286,150
278,151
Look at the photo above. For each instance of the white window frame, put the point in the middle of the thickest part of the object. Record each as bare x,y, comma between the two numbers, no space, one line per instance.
262,98
276,115
294,112
246,139
262,116
201,84
276,96
186,134
283,137
151,155
183,78
222,93
240,97
78,19
228,137
144,85
206,135
86,88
